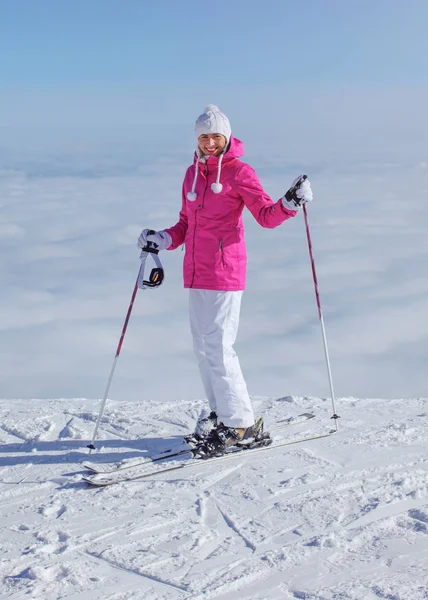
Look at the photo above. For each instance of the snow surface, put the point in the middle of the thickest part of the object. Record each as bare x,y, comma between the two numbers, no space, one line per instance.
345,517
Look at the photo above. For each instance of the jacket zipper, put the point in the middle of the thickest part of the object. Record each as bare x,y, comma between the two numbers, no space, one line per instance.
196,213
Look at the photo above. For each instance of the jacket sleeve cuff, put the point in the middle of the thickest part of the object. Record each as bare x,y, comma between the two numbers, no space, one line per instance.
288,207
176,240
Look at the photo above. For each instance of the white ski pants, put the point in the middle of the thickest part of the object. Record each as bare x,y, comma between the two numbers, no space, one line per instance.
214,321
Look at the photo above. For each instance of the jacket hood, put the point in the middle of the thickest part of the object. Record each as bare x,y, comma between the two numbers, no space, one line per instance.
235,150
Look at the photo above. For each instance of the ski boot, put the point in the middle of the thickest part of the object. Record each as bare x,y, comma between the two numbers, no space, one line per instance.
220,439
203,427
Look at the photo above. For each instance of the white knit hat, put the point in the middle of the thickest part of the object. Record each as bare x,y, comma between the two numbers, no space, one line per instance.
212,120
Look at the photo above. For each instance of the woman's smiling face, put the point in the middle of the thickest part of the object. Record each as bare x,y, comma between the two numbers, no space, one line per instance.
212,144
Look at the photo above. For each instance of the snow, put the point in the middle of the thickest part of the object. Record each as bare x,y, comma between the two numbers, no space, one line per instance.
343,517
338,518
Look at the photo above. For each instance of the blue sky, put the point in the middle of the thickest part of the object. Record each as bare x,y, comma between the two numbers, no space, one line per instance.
163,42
85,68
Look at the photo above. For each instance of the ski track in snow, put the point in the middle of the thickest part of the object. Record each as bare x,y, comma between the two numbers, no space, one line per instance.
340,518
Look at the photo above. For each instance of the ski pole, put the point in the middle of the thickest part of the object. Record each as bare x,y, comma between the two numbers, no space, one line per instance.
317,295
155,279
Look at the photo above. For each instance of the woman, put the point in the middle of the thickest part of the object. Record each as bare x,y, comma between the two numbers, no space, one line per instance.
216,188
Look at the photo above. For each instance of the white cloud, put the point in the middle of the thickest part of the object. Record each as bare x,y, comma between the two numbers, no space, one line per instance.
69,262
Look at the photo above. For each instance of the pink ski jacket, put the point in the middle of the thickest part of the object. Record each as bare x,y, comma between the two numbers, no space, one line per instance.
211,226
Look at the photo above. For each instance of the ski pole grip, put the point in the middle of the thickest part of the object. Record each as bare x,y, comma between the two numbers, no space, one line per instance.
151,246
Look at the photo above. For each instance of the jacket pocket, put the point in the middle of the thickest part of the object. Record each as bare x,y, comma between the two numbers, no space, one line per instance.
228,247
221,250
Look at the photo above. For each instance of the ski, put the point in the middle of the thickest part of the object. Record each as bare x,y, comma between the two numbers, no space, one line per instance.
103,480
104,468
135,462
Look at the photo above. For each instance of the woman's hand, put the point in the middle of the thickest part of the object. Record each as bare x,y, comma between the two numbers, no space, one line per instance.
299,193
161,239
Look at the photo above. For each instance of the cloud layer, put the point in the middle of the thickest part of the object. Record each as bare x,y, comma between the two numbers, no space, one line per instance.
68,228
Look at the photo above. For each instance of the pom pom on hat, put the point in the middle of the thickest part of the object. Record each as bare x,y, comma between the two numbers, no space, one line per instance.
212,120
